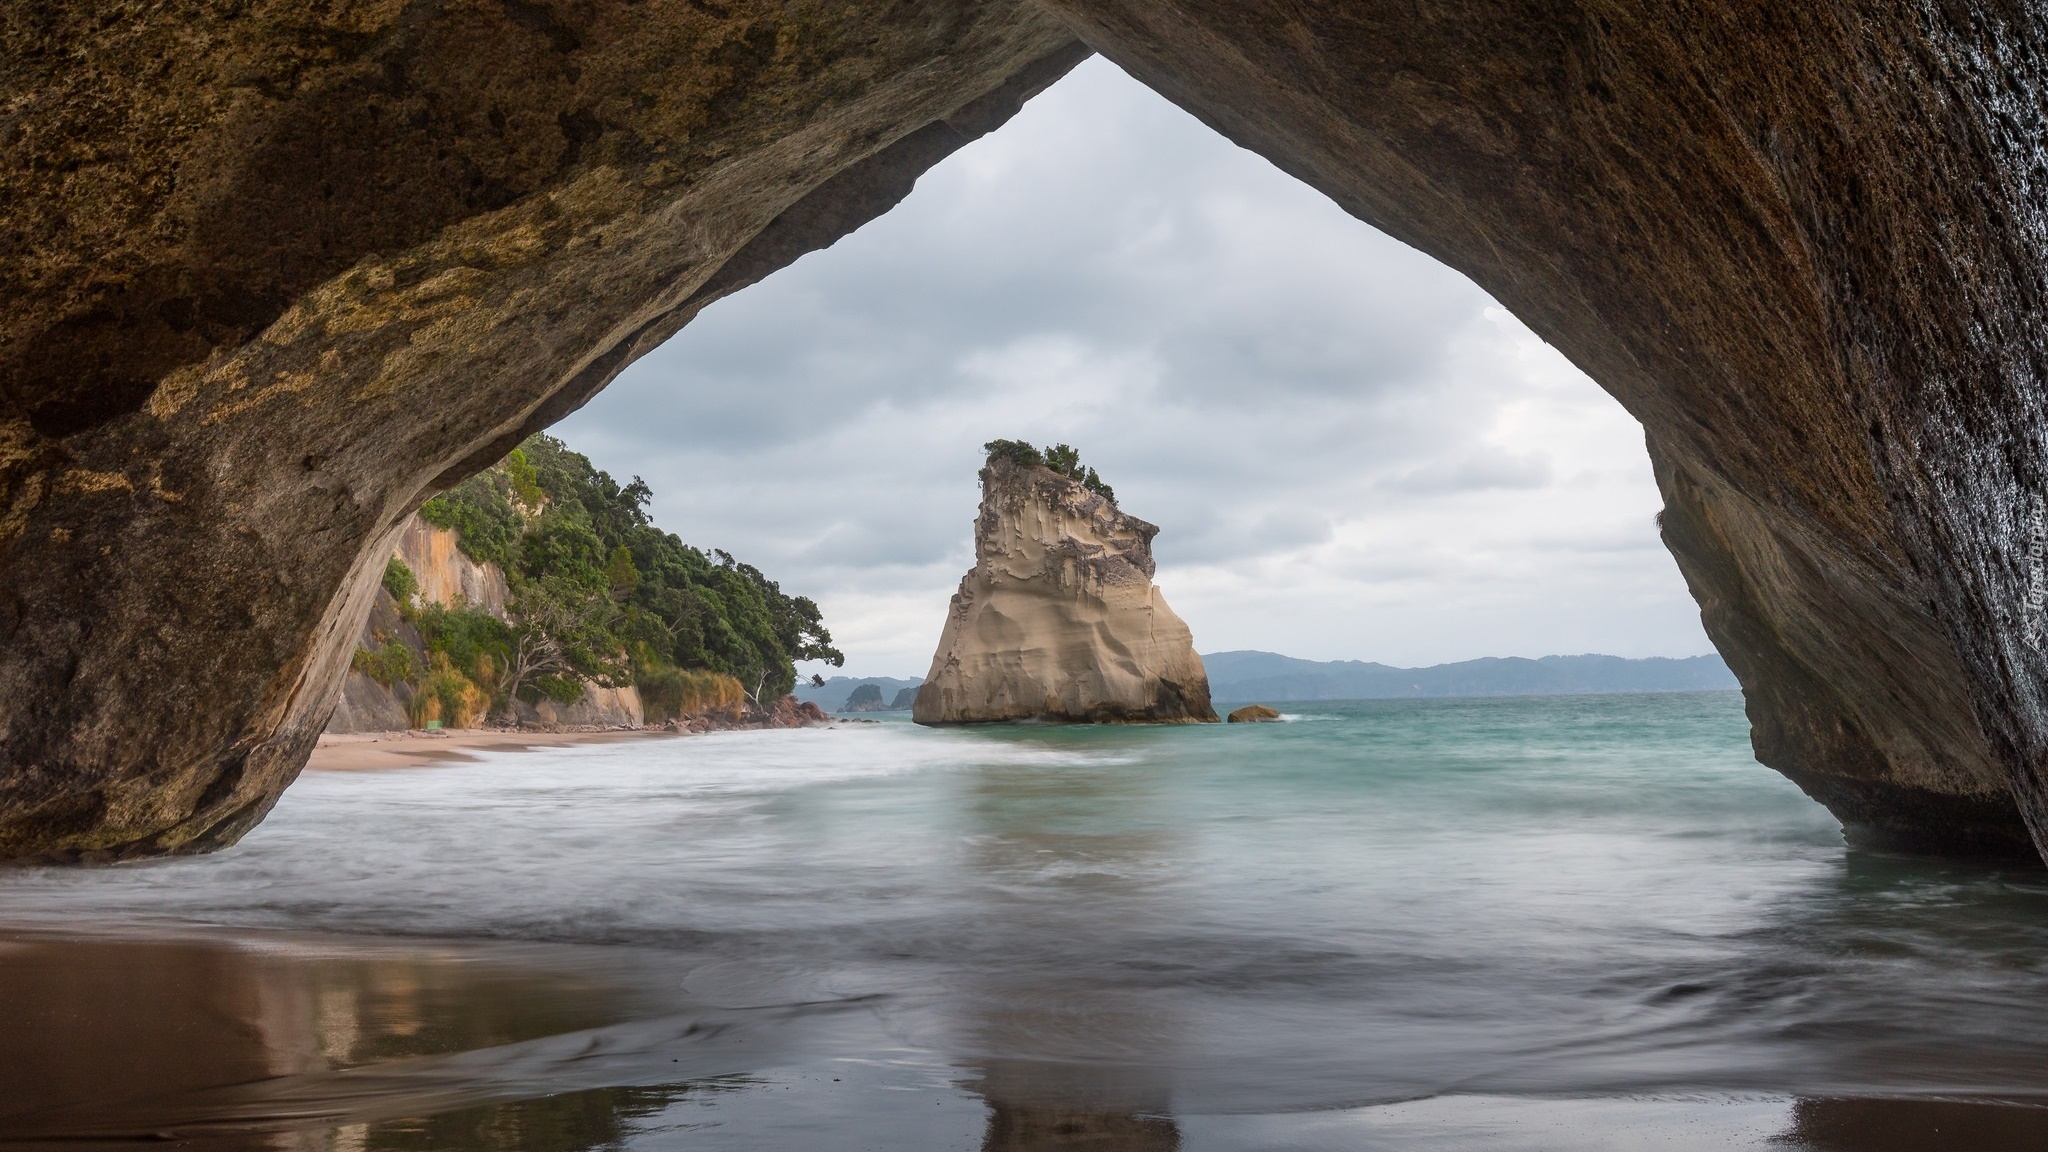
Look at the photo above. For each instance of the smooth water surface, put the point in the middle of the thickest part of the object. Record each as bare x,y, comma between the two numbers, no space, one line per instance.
1563,922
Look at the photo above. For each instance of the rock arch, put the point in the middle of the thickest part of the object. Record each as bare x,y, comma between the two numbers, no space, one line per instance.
275,274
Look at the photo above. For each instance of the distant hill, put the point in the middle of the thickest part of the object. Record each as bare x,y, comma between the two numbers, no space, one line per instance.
864,698
832,697
1268,676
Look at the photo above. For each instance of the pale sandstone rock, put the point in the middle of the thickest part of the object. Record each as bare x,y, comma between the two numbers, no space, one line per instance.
446,574
602,707
1059,619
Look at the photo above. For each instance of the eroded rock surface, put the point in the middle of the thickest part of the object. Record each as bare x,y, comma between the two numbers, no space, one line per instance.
277,271
1805,246
1059,618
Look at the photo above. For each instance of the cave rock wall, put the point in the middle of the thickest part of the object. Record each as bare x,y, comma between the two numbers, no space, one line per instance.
278,272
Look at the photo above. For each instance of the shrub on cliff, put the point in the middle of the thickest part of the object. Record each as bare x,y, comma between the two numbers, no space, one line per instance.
447,695
1018,452
400,582
481,513
471,640
389,663
1062,459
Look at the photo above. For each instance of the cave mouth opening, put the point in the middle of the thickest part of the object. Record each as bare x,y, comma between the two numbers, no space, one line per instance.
1353,451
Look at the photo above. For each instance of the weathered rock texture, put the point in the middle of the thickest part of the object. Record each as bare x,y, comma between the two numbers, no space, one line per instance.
276,271
365,705
1059,619
445,573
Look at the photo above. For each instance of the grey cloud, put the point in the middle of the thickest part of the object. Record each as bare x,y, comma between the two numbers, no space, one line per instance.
1249,367
1242,532
1476,472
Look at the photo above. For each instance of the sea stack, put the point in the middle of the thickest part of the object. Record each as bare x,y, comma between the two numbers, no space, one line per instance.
1058,619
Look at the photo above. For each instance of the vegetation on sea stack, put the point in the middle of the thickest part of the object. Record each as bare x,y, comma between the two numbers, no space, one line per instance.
1059,458
598,594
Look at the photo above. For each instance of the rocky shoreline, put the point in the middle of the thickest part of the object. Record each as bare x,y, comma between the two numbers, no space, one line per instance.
789,712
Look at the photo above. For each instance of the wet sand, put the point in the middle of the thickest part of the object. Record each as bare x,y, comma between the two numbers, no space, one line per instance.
375,751
240,1041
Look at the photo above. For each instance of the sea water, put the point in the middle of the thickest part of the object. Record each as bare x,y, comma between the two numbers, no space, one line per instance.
1566,922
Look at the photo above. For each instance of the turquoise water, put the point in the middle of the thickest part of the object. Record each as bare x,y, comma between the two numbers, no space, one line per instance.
1382,923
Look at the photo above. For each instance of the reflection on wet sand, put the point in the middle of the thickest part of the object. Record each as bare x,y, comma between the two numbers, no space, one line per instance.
1026,1129
1073,1109
1097,1084
570,1122
120,1038
264,1043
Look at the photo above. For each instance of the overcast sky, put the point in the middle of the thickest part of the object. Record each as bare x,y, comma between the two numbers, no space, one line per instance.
1352,451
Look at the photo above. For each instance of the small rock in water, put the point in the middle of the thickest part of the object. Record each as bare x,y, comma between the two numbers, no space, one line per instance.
1255,714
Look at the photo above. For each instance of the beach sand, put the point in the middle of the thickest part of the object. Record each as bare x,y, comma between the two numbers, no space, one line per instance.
375,751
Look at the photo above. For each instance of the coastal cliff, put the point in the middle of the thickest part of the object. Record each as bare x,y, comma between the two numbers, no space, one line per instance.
1059,619
538,592
446,576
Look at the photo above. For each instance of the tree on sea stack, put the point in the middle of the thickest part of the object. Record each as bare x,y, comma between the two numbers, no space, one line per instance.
1059,618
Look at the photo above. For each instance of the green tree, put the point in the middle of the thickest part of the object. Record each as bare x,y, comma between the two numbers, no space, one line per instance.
1017,452
524,479
480,511
400,582
620,573
1064,459
561,635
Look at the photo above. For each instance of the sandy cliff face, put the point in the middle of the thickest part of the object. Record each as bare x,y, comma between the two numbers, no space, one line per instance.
446,574
1059,619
